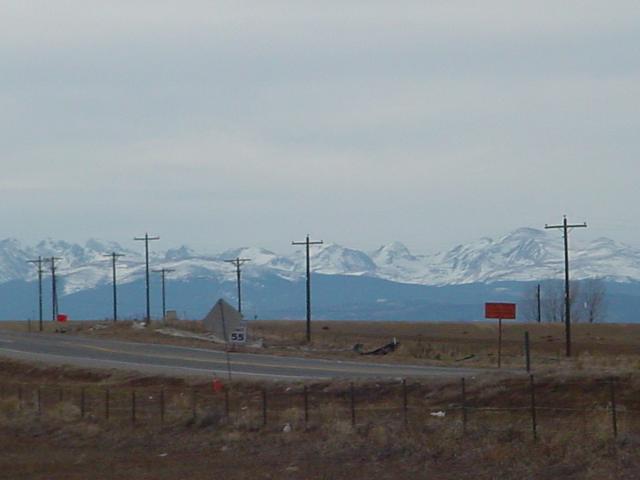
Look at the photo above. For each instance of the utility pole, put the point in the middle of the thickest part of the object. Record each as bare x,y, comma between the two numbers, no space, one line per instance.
308,243
114,256
54,287
147,239
38,262
567,298
163,272
238,262
539,303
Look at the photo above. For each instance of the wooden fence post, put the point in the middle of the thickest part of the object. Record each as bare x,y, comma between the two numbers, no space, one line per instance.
39,400
162,405
614,413
353,406
194,404
82,403
464,406
527,351
306,406
499,342
534,425
133,407
106,403
20,397
405,403
264,407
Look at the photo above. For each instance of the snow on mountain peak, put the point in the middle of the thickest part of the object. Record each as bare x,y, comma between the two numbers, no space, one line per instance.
331,258
181,253
523,255
391,253
258,258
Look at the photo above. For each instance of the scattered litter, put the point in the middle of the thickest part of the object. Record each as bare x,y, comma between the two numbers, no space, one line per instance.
98,326
439,414
388,348
292,468
468,357
286,428
163,454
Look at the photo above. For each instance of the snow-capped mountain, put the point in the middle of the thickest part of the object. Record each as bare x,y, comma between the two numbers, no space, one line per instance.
523,255
333,259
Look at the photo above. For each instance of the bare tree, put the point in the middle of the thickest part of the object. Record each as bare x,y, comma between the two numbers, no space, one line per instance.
588,301
528,305
552,300
593,300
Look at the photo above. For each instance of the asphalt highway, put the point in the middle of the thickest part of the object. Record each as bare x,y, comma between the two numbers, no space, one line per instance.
79,351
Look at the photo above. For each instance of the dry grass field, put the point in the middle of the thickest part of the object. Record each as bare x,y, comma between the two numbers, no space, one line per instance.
55,436
53,423
469,344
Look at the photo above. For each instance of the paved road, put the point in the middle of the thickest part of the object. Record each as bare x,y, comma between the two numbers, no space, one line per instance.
184,361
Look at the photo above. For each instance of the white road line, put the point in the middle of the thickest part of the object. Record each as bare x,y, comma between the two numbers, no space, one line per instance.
137,366
262,356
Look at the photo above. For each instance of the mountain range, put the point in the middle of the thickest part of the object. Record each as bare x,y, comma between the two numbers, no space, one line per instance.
373,280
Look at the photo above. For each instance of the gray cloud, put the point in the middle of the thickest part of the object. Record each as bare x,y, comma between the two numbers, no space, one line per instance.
228,123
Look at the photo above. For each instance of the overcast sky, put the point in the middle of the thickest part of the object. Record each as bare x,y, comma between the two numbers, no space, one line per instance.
227,123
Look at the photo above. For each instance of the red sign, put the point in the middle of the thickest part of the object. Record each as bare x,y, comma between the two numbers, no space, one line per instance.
505,311
62,317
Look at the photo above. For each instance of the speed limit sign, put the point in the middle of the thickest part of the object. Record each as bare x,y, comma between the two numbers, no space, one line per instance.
239,335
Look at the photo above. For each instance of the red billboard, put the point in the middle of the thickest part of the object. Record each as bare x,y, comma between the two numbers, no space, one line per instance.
504,311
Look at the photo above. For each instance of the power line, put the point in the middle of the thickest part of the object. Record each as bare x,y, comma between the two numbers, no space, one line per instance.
114,256
147,239
163,272
308,243
567,298
238,262
38,262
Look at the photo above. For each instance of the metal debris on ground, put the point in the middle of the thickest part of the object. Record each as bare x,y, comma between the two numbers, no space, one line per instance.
385,349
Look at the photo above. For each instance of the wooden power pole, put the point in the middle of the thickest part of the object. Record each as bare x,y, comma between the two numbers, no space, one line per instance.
146,240
238,262
308,243
114,257
567,297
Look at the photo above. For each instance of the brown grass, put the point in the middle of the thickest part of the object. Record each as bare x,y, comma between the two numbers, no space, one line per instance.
56,442
469,344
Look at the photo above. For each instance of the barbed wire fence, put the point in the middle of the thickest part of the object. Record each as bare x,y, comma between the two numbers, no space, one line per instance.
525,407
